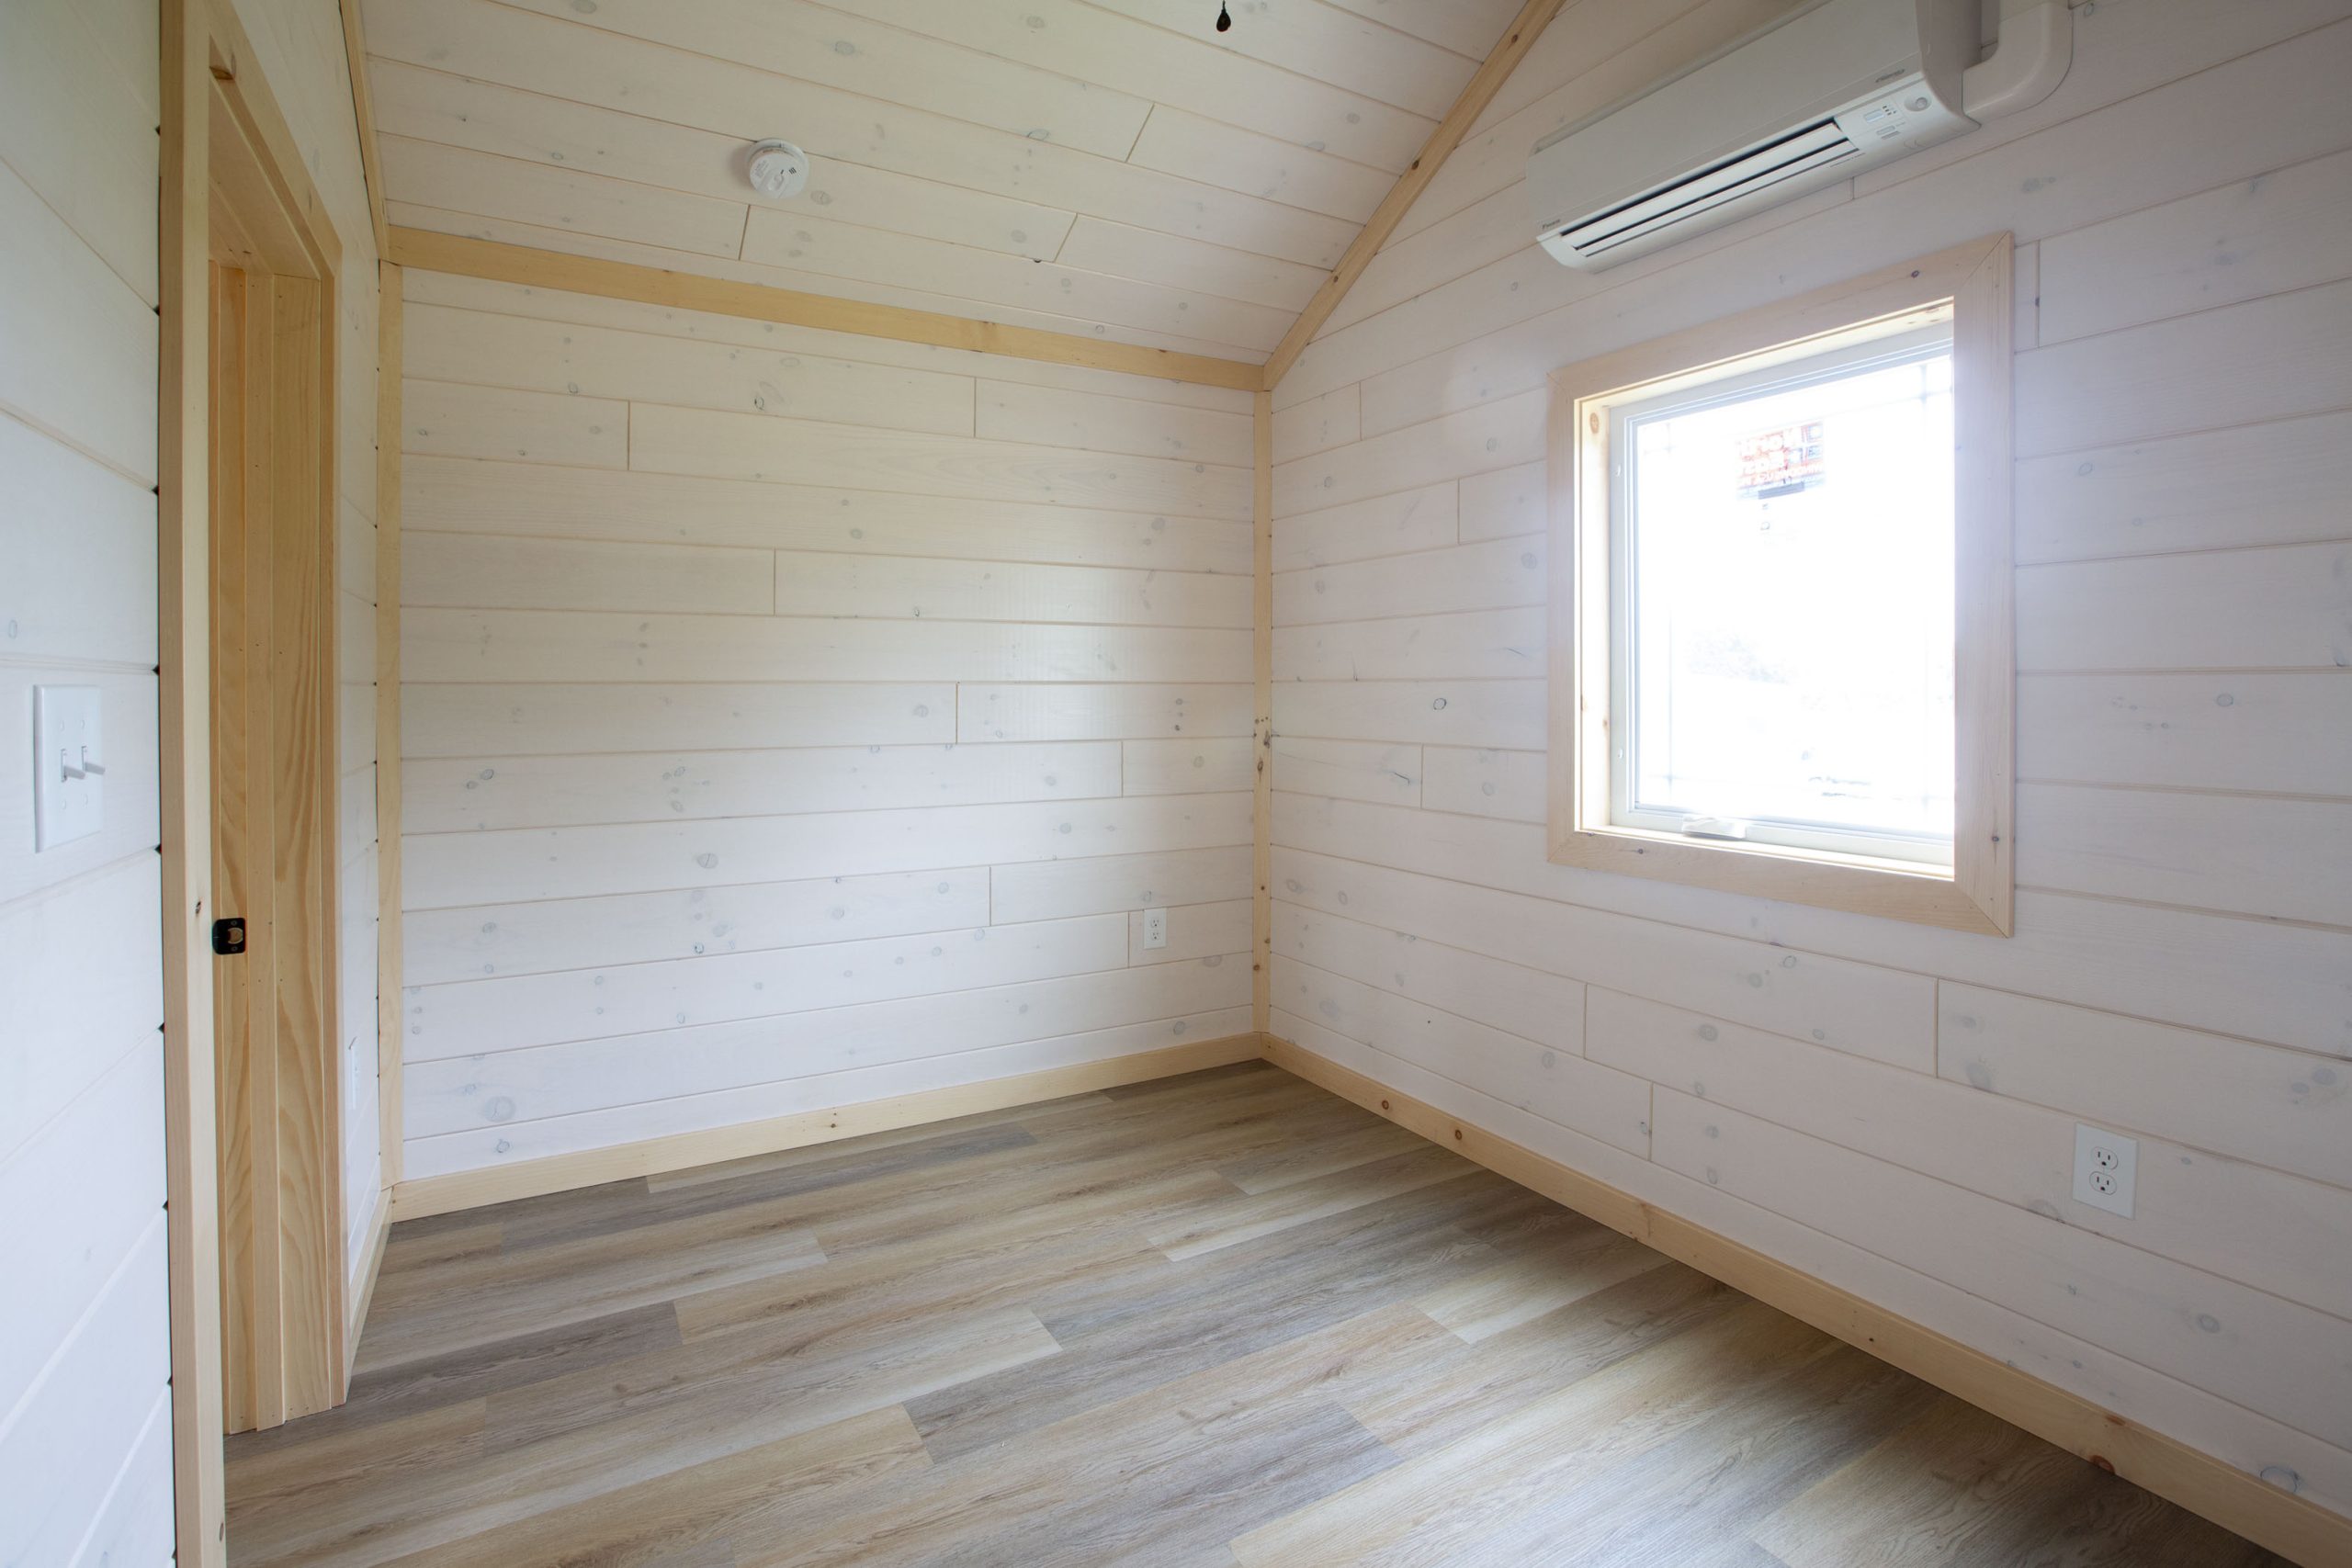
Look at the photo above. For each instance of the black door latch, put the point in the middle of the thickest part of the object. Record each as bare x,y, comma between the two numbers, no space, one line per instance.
229,937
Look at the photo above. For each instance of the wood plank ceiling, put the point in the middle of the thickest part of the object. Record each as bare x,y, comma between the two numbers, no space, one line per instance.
1115,168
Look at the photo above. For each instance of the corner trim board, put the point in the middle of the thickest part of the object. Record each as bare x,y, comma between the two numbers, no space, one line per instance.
1262,903
682,1151
390,307
371,168
380,1231
184,582
1476,94
528,265
2293,1527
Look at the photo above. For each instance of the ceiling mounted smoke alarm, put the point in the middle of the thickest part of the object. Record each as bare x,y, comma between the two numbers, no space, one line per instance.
778,169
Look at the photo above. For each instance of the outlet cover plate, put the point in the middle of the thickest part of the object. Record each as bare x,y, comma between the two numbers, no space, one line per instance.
69,800
2107,1169
1155,928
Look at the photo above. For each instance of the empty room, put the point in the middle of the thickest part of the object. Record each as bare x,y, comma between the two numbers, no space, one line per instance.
1204,783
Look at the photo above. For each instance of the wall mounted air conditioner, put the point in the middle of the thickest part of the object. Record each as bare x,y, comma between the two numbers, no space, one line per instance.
1840,87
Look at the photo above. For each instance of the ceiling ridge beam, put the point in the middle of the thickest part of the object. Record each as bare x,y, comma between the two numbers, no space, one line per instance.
1516,39
432,251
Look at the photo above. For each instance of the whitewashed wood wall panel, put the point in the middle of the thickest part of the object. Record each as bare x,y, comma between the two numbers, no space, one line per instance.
793,719
84,1352
1116,169
1888,1105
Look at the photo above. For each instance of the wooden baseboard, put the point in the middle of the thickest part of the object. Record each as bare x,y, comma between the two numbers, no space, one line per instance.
2293,1527
380,1231
681,1151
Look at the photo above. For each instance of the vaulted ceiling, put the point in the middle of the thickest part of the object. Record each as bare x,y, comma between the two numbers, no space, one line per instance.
1115,168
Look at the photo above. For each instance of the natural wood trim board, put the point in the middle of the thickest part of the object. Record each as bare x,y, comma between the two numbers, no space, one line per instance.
1261,928
257,115
275,787
755,301
380,1232
682,1151
1476,94
525,264
184,573
1971,283
2293,1527
355,54
389,320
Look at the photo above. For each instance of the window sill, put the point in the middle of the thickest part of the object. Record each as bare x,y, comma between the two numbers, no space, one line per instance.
1890,889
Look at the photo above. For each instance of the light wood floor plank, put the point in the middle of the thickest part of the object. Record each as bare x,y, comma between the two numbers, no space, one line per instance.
1197,1323
1528,1287
1434,1507
1957,1488
719,1510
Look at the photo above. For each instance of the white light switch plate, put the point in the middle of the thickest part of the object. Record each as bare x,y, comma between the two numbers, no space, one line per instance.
69,798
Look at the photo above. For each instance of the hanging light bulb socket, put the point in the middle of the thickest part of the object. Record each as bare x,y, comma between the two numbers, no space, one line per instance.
1224,18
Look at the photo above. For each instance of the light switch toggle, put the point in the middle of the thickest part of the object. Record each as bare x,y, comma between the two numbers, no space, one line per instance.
69,779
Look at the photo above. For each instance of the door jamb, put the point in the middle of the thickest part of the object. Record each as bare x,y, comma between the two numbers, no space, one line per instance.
205,57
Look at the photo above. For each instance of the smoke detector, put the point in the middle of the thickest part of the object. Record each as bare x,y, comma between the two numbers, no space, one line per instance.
778,169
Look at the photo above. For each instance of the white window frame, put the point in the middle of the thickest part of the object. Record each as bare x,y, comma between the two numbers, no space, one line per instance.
1967,288
1903,341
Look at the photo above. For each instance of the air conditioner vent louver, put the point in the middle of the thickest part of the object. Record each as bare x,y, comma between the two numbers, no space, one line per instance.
1836,87
1808,148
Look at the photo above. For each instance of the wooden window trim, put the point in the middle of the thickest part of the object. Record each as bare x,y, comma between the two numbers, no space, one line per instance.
1975,895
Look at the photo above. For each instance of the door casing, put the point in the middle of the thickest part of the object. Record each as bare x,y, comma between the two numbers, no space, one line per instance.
271,379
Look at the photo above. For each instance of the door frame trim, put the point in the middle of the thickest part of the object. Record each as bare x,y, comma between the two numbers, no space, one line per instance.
204,56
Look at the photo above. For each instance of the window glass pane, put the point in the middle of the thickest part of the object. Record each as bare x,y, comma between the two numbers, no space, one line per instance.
1789,591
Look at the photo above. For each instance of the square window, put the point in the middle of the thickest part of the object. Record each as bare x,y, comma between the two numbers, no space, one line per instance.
1781,606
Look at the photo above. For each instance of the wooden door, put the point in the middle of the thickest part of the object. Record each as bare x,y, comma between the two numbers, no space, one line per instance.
273,849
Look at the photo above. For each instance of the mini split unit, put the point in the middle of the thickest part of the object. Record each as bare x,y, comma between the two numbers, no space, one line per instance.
1841,86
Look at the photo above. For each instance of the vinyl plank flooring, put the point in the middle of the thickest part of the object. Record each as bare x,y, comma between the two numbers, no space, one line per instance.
1958,1488
1206,1321
476,1372
1095,1486
1757,1444
1468,1387
705,1512
1437,1505
1263,1214
1115,1342
1524,1287
1304,1161
485,1298
819,1154
679,1203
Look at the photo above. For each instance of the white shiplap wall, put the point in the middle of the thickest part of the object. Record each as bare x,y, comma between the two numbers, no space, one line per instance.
1887,1106
300,49
792,719
84,1345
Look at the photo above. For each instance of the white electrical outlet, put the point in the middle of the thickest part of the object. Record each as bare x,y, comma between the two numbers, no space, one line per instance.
2107,1166
1155,928
68,766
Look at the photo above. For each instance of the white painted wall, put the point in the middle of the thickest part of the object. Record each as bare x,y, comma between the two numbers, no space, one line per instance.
299,43
792,719
1887,1106
84,1345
